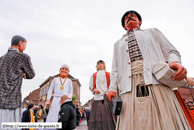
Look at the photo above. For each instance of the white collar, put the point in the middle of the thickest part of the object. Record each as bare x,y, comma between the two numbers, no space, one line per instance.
135,29
13,49
67,100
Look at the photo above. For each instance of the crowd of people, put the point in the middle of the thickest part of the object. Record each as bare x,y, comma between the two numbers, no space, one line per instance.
39,113
32,113
190,106
82,114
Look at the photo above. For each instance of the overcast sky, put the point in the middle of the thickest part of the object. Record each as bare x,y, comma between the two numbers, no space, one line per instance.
81,32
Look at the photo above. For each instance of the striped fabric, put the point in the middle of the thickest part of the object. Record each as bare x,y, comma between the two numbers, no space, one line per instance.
101,116
134,51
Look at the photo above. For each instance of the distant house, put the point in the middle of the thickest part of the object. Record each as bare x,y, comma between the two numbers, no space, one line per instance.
44,87
88,104
33,97
187,93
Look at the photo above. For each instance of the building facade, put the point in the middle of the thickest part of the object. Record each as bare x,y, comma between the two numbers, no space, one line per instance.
187,93
88,104
33,97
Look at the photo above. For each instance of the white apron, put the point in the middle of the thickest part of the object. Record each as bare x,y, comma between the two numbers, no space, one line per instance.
54,110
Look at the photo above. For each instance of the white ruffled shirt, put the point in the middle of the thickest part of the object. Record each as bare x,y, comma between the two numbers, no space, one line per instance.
101,85
55,86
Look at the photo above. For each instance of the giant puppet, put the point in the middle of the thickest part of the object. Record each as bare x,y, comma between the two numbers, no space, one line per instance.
101,117
14,66
147,104
60,86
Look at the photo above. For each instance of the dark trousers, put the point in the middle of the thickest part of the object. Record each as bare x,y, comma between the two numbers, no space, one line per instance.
77,120
87,120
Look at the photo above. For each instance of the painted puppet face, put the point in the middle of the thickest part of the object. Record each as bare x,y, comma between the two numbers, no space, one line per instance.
131,21
64,72
101,66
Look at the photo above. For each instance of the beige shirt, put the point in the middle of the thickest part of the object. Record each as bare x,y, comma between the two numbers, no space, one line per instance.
154,47
101,85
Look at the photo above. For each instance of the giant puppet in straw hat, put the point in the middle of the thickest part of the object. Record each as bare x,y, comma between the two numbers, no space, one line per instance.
147,104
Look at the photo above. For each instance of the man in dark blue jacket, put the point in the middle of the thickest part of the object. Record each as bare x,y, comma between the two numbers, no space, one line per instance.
28,114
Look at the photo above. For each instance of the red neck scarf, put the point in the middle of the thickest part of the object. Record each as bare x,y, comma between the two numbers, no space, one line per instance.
133,28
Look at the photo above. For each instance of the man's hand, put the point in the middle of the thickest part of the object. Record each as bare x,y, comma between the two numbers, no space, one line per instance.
111,94
97,91
190,81
48,102
181,71
24,75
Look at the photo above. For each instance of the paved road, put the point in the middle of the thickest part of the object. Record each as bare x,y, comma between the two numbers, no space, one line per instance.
82,125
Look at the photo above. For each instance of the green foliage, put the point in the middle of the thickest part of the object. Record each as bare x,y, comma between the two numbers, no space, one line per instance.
74,97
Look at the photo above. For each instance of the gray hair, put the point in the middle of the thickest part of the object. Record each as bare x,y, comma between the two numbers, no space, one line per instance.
15,40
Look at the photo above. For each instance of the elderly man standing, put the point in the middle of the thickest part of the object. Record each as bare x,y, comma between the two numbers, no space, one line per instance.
61,86
14,66
147,104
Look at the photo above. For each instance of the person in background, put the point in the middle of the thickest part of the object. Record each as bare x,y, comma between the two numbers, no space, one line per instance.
47,110
78,115
190,105
83,114
191,108
40,114
23,109
28,115
187,103
67,115
35,110
87,115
